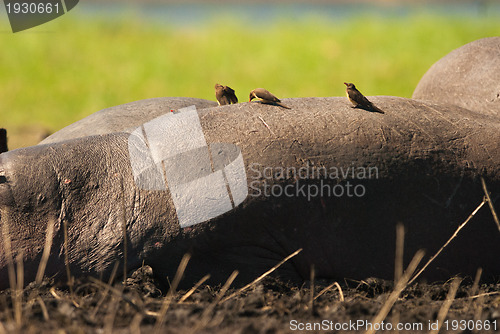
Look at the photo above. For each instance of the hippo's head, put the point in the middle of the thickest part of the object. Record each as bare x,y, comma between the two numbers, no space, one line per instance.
27,206
21,197
76,182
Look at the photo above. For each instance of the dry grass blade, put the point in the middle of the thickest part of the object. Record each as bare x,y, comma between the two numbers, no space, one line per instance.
400,286
334,284
225,287
8,317
160,320
44,308
124,231
443,311
135,324
46,251
398,260
18,311
478,314
8,250
118,293
490,203
2,328
193,289
398,266
66,257
311,288
105,293
54,293
205,317
447,242
485,294
16,285
261,277
475,285
266,125
110,316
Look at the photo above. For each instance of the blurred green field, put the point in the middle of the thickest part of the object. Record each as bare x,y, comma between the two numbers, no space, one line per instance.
55,74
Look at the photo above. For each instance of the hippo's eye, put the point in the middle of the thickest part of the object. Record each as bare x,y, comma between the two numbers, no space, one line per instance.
3,179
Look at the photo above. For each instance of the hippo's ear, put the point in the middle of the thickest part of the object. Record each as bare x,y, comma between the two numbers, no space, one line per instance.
2,173
4,190
3,140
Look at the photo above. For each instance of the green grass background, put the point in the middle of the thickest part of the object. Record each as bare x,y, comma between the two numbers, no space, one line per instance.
57,73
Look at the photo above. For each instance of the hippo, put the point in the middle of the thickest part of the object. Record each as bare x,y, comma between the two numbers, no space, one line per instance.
466,77
241,186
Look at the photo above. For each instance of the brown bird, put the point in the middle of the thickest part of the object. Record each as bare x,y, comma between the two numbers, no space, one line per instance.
266,97
225,95
359,100
3,141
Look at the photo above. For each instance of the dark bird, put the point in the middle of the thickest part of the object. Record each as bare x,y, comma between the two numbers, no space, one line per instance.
359,100
225,95
3,141
266,97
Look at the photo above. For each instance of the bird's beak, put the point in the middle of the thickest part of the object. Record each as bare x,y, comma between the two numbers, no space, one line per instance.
345,83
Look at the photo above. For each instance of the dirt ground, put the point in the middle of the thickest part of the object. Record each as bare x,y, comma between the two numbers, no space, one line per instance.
269,306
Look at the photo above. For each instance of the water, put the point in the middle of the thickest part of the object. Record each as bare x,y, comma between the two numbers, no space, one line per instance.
258,14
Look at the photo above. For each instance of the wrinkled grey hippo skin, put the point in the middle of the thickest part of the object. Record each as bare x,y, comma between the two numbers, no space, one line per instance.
429,159
467,77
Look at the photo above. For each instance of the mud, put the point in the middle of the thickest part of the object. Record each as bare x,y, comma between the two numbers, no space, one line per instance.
270,306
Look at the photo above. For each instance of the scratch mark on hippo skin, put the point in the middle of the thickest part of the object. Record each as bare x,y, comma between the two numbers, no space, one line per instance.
383,124
321,156
269,145
386,132
383,134
485,148
440,114
412,141
329,140
334,120
299,146
408,121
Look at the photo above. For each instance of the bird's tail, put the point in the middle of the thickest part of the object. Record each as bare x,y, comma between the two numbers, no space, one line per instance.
374,108
282,105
